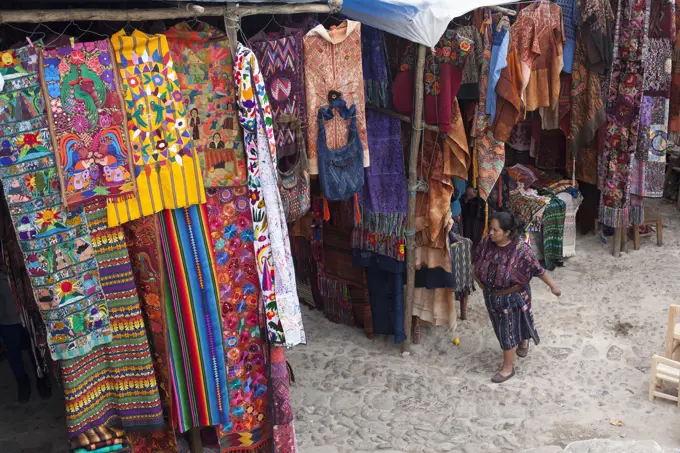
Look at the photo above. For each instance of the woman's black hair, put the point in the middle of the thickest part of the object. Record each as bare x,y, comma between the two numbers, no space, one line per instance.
508,222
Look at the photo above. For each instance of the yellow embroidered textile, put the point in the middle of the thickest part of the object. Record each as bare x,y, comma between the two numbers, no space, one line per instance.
166,165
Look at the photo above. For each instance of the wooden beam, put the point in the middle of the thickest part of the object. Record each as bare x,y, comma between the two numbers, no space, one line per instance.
138,15
500,9
398,116
416,135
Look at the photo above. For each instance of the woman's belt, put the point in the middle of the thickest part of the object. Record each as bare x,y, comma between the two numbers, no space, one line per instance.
504,292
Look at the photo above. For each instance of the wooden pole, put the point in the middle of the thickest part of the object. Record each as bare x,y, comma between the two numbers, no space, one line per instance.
398,116
416,136
138,15
196,443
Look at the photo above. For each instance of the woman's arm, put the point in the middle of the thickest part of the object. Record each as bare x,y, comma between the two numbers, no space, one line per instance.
551,284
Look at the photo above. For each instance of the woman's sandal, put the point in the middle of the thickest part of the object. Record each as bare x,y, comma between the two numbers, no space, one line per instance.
499,378
523,351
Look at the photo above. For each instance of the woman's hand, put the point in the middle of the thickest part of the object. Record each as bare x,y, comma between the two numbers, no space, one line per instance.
555,290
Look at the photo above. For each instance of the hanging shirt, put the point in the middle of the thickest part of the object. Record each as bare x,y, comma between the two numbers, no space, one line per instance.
333,63
570,19
499,60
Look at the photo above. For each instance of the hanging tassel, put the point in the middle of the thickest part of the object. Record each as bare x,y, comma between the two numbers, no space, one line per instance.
326,211
357,212
475,170
486,219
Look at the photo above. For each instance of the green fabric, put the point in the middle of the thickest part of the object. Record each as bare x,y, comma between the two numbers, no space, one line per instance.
108,449
553,231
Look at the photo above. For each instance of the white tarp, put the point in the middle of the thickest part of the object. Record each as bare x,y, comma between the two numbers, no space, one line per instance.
421,21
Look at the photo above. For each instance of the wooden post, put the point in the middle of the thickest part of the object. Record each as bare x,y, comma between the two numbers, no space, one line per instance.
416,136
231,24
196,443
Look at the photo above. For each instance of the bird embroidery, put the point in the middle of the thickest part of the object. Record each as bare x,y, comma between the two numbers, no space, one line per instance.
83,87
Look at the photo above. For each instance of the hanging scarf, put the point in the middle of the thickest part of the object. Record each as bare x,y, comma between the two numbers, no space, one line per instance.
272,246
165,162
377,78
674,115
488,152
623,108
553,231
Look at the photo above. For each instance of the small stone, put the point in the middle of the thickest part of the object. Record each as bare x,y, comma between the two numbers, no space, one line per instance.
614,353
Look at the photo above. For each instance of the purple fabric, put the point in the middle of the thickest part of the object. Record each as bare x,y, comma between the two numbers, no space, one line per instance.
385,182
504,267
375,61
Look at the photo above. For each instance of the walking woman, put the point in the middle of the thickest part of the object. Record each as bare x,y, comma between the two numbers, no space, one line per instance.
504,265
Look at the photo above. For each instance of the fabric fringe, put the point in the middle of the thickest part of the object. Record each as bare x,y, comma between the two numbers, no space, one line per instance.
265,446
614,217
636,215
377,93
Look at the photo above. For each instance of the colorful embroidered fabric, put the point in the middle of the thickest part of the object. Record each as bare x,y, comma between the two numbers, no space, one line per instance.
284,430
146,254
165,163
674,117
56,243
281,62
489,153
196,348
205,71
231,228
272,245
649,162
333,62
623,110
114,384
88,122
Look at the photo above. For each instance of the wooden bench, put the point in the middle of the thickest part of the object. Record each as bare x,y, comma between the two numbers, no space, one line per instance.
652,218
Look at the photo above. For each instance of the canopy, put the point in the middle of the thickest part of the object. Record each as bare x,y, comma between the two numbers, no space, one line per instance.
421,21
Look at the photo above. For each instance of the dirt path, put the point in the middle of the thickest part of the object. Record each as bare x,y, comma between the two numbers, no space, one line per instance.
592,366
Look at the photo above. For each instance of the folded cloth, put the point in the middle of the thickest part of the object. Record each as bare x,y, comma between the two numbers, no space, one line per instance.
95,446
94,435
110,448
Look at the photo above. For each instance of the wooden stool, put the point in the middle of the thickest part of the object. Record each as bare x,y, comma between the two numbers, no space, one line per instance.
664,369
651,218
673,332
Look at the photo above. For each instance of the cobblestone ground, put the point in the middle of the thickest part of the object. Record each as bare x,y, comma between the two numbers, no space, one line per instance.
358,395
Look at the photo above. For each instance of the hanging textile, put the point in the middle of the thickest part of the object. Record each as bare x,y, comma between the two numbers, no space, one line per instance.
592,59
553,231
205,75
375,63
165,163
114,384
569,238
146,255
87,122
570,21
623,110
457,158
272,246
231,228
56,243
281,62
499,60
196,348
674,115
649,163
284,430
469,88
333,63
488,152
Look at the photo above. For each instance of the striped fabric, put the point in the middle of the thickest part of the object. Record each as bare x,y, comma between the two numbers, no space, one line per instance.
197,361
115,384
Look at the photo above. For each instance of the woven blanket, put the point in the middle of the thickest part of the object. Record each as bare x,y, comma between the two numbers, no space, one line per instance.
197,361
97,435
56,243
284,430
114,384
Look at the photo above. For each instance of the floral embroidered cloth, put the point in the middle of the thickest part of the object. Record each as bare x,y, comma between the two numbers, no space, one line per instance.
231,228
56,243
272,246
205,70
165,163
333,63
87,122
623,110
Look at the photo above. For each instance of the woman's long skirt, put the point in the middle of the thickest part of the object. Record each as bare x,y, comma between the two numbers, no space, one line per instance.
511,317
